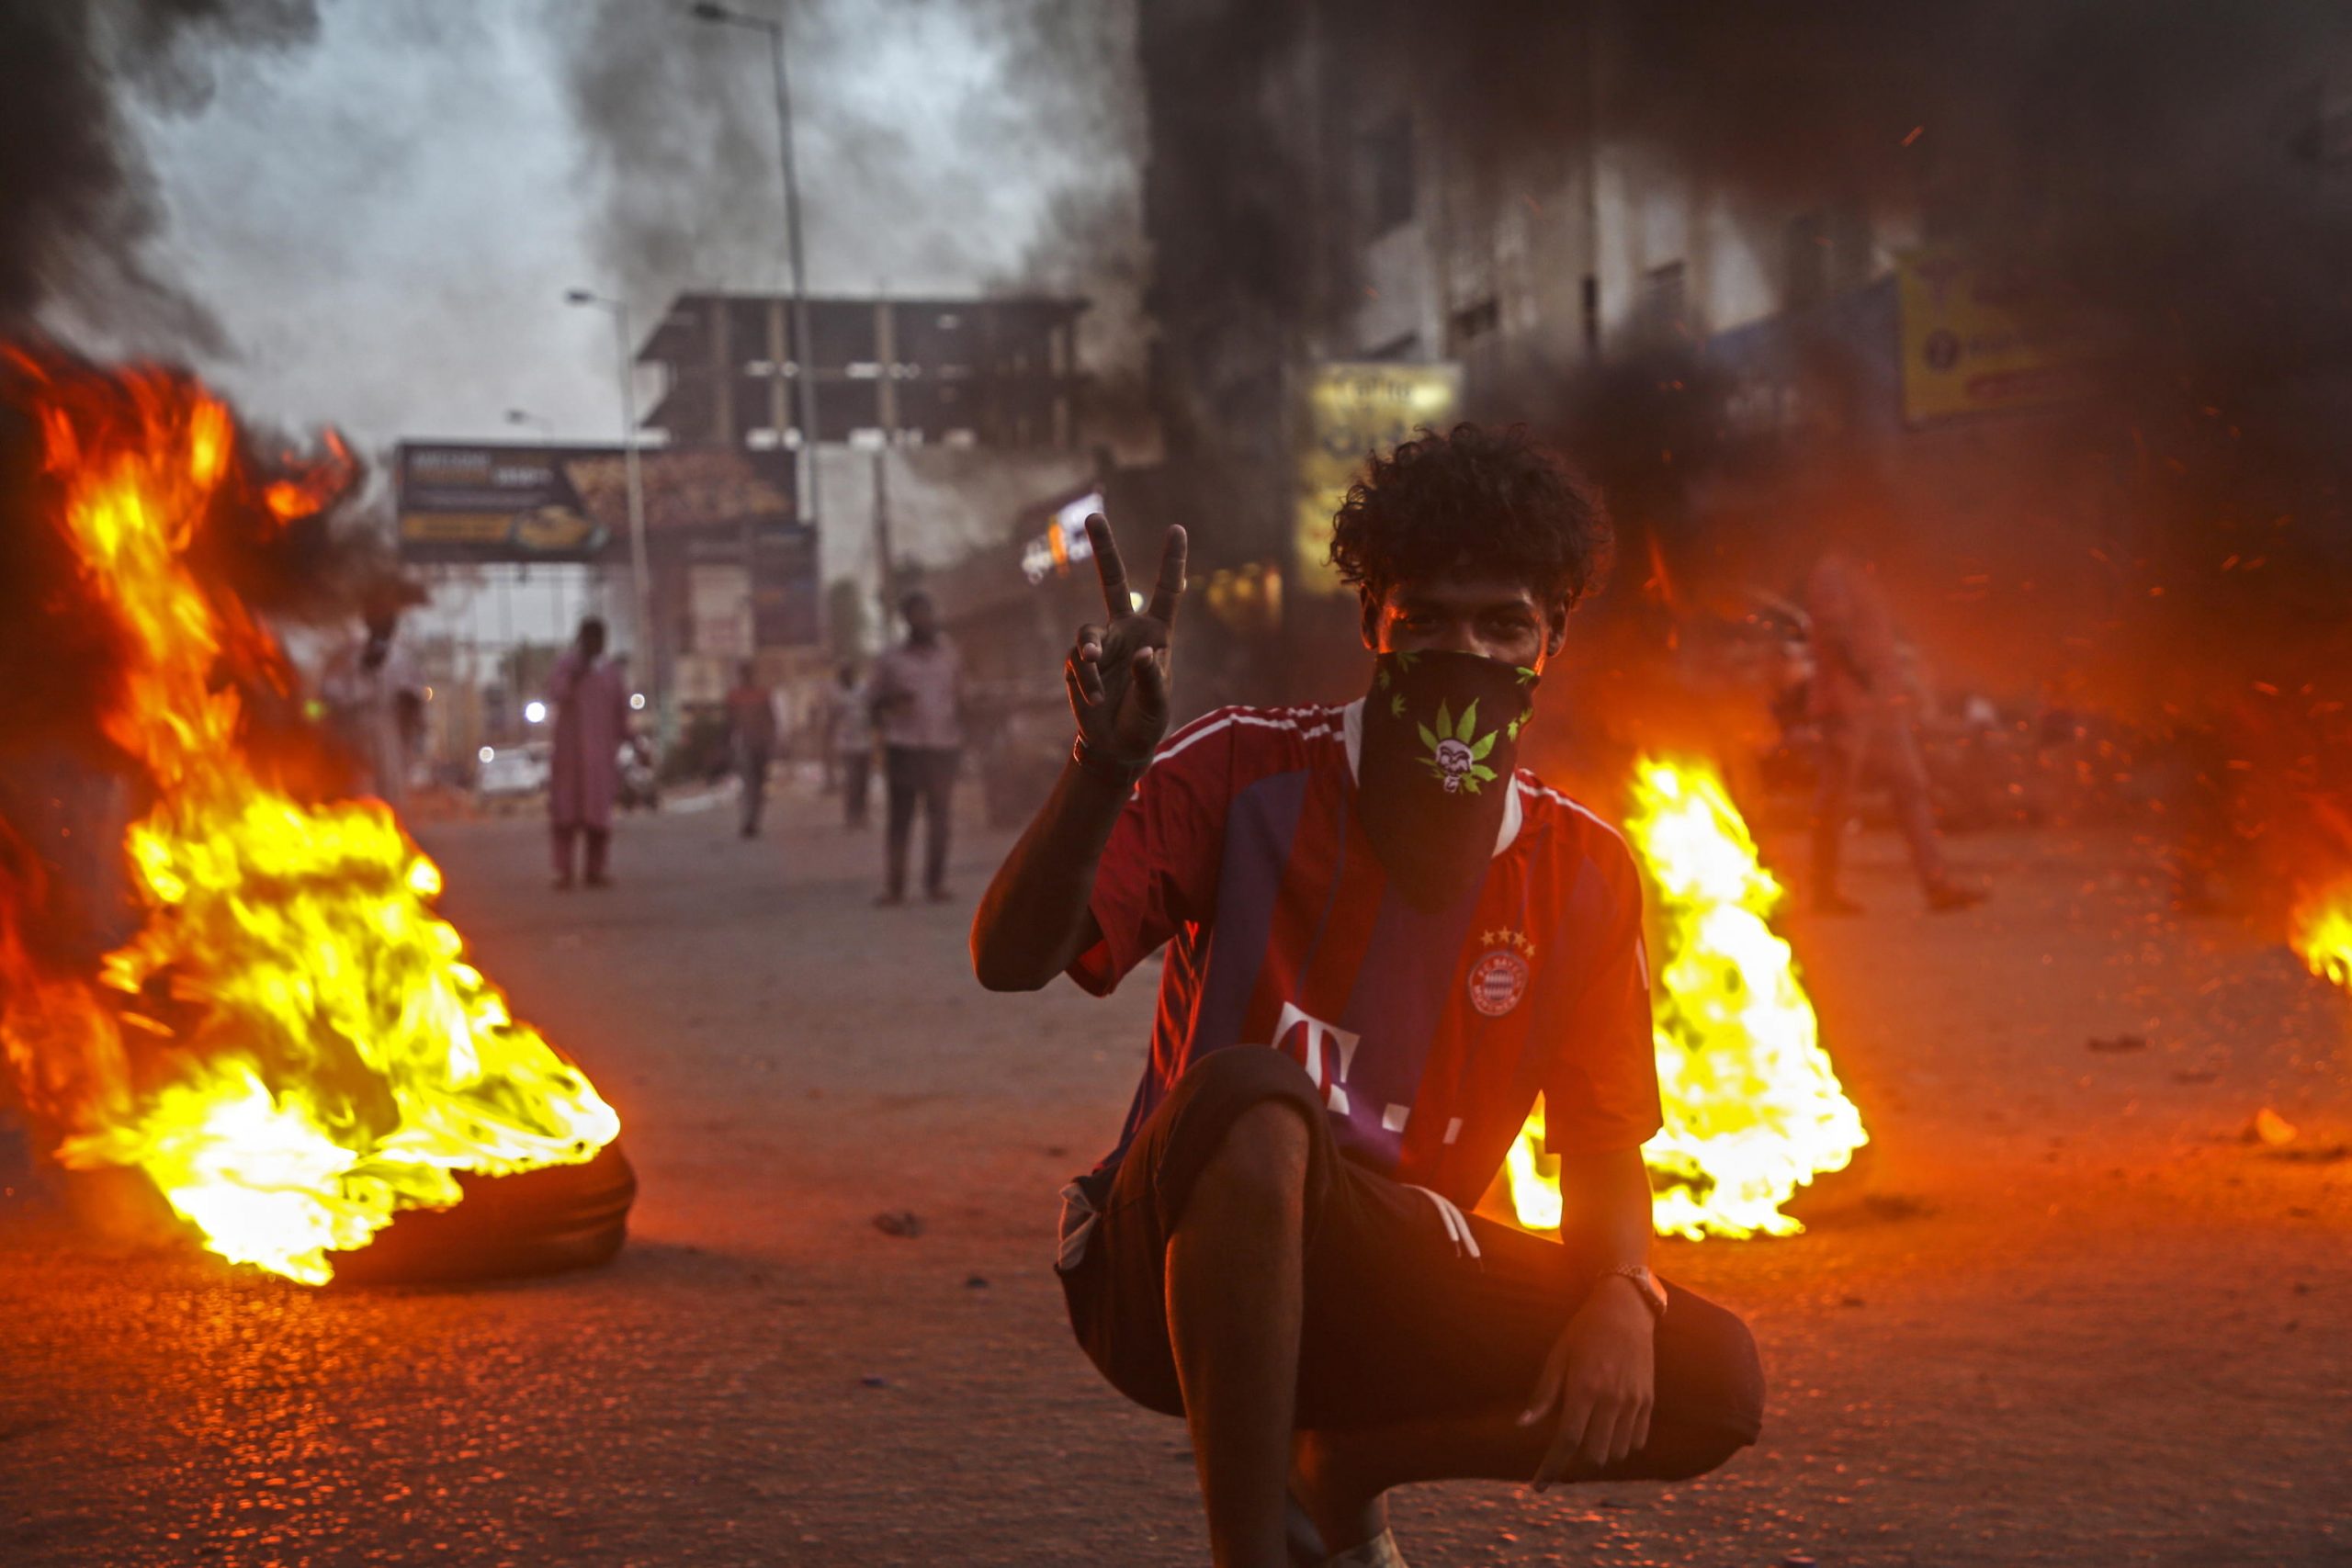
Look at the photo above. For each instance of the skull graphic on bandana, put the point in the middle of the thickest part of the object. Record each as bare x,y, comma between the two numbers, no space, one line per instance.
1458,752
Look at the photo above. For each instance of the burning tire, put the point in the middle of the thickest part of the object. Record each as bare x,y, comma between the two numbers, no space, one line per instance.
535,1221
280,1033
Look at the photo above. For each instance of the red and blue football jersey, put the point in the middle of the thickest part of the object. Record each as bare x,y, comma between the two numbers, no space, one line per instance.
1428,1032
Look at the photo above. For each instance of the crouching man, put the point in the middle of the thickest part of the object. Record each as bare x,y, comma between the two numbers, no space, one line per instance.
1383,940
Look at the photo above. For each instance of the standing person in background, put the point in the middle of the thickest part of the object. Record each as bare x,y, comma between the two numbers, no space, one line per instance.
1866,711
849,740
376,703
750,733
590,722
918,704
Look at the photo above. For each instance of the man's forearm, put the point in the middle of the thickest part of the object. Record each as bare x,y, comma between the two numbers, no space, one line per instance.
1609,1199
1032,920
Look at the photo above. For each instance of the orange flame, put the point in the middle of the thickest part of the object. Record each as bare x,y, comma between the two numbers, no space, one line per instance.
293,1046
1753,1107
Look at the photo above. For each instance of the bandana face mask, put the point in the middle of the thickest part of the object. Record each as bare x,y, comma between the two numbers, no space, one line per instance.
1441,738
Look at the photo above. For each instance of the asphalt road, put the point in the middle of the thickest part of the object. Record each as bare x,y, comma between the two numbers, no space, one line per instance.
2061,1314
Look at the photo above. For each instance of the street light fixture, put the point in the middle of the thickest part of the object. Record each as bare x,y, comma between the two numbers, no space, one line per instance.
640,571
804,348
544,425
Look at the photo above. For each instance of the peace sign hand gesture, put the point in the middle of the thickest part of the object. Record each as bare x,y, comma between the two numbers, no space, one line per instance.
1118,672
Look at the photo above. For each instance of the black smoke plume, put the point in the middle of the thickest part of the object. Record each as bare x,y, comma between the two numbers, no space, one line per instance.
898,193
2170,181
79,211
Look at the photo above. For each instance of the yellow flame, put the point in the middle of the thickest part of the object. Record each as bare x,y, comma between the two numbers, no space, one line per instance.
1753,1108
2322,934
293,1047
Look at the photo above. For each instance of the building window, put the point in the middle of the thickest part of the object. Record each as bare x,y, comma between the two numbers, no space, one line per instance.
1473,323
1665,299
1591,306
1388,173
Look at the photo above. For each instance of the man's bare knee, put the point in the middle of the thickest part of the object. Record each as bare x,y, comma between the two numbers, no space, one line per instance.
1262,1158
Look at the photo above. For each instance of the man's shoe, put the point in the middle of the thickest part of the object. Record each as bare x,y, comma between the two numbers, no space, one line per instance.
1948,898
889,900
940,894
1835,903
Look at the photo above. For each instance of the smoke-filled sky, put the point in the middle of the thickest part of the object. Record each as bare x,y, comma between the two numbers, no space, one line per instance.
383,216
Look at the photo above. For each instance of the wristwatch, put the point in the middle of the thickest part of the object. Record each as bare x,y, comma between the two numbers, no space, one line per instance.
1638,1275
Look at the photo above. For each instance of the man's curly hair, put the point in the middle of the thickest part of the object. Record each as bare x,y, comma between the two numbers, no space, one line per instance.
1473,499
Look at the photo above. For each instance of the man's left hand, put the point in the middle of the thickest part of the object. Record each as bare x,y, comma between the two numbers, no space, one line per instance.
1599,1378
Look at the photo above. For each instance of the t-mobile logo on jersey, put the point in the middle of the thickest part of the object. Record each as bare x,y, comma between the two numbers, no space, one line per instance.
1328,1051
1320,1036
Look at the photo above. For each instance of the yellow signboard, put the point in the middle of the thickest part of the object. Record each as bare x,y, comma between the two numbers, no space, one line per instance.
1354,411
1978,340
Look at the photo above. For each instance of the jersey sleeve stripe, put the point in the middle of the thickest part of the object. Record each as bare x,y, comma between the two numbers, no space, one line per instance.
1527,785
1211,722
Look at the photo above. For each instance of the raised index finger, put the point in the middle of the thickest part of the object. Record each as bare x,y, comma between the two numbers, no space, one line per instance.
1109,567
1170,586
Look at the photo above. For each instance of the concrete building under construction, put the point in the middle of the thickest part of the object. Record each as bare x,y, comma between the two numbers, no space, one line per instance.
992,372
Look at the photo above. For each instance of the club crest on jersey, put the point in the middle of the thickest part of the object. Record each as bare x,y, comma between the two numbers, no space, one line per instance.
1499,978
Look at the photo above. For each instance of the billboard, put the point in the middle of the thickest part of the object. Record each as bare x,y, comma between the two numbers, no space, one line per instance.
785,608
479,502
1979,340
1352,410
491,501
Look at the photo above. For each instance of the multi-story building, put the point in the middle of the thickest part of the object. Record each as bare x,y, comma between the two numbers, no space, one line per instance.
1326,183
989,372
1767,283
930,414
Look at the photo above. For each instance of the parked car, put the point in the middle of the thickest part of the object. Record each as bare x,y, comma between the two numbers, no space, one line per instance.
511,773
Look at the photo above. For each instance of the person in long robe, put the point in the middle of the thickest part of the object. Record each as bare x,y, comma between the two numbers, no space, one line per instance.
591,703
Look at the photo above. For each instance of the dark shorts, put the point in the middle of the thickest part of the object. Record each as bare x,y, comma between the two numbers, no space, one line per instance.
1400,1322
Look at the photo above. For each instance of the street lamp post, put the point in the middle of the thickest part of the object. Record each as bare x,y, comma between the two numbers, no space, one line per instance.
640,570
804,348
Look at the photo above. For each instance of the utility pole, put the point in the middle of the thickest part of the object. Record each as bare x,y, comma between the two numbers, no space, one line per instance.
803,345
886,571
655,684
